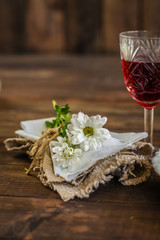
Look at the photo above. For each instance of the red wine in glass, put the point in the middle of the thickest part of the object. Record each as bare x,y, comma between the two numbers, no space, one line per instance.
140,58
142,80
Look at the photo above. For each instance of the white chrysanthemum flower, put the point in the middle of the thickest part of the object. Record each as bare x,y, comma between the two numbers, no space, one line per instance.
87,131
64,154
156,162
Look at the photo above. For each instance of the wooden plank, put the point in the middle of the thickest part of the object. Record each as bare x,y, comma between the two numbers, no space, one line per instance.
12,28
94,218
74,26
83,26
44,26
151,15
15,183
118,16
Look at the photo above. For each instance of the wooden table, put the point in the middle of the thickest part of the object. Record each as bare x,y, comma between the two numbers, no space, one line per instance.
94,85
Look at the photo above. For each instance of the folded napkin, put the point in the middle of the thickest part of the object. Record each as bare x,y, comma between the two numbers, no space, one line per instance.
111,146
119,156
33,129
156,162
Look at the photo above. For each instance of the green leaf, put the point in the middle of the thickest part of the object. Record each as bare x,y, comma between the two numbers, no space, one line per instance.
68,116
58,109
54,104
65,109
63,117
48,124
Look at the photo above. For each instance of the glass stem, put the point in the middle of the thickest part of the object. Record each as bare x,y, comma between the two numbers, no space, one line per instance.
148,123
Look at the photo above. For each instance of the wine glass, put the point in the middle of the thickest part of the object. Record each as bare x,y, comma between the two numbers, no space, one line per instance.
140,60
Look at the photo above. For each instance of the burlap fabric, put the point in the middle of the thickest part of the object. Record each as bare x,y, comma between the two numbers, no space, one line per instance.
131,166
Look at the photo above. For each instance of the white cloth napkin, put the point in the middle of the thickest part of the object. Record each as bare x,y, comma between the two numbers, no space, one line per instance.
111,146
32,130
156,162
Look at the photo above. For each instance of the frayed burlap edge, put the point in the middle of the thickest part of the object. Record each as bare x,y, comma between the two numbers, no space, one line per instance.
121,165
17,144
130,165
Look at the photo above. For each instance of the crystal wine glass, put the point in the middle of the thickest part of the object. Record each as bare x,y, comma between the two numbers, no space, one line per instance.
140,59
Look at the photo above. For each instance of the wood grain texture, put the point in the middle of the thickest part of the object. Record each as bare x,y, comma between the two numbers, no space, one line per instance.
90,26
94,85
83,26
151,15
12,26
118,16
45,26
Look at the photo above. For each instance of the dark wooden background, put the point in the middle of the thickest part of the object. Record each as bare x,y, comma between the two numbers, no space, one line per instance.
74,26
91,84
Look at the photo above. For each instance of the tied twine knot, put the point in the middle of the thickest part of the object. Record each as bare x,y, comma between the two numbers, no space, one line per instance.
37,150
